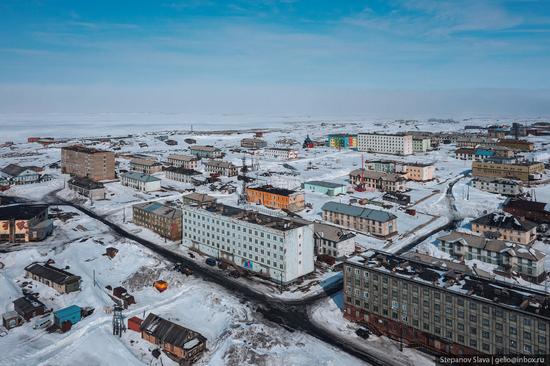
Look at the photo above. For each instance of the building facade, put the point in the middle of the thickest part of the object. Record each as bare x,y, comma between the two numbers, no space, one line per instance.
161,219
328,188
375,222
278,248
141,182
342,141
145,166
60,280
184,161
527,262
182,174
221,167
206,151
506,187
373,180
24,223
385,143
419,172
524,171
421,145
444,310
253,143
519,145
88,162
504,226
534,211
333,241
16,174
276,198
88,188
280,153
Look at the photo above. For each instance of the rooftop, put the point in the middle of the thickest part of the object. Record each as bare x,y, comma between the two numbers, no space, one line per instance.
220,164
325,184
159,209
147,162
373,174
21,211
84,149
384,134
199,197
15,170
28,304
183,157
208,148
140,177
505,220
356,211
182,170
504,294
331,232
493,245
168,332
51,273
85,182
273,190
527,205
254,217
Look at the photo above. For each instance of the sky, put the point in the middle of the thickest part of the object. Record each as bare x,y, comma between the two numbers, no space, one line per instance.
261,56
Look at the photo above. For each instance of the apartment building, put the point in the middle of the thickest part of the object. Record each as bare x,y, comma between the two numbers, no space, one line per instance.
506,187
86,187
161,219
276,198
443,309
280,153
184,161
88,162
519,145
141,182
475,141
145,166
182,174
524,171
253,143
278,248
375,222
206,151
422,144
505,226
373,180
342,141
23,223
419,172
221,167
332,240
385,143
386,166
527,262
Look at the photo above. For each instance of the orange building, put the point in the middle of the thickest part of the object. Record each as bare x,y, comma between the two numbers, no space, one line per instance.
276,198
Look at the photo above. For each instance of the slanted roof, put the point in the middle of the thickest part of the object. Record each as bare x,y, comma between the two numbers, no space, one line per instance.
182,170
372,174
146,178
159,209
146,162
168,332
181,157
505,220
21,211
14,170
220,164
51,273
85,182
206,148
331,232
200,197
356,211
28,304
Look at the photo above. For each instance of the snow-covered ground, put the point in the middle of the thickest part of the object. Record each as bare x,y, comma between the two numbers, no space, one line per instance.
236,333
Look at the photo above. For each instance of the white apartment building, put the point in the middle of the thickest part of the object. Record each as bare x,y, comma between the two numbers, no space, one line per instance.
385,143
141,182
502,186
281,249
280,153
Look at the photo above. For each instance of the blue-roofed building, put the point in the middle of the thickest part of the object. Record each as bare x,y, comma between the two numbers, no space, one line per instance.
375,222
482,154
71,314
140,181
162,219
328,188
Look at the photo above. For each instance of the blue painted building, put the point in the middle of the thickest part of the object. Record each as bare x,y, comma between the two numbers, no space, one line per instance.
71,314
328,188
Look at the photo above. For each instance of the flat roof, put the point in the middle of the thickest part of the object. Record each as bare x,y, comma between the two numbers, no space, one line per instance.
273,190
84,149
325,184
21,211
496,292
253,217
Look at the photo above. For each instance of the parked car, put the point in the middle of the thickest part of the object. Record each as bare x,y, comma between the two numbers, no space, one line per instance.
211,261
363,333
